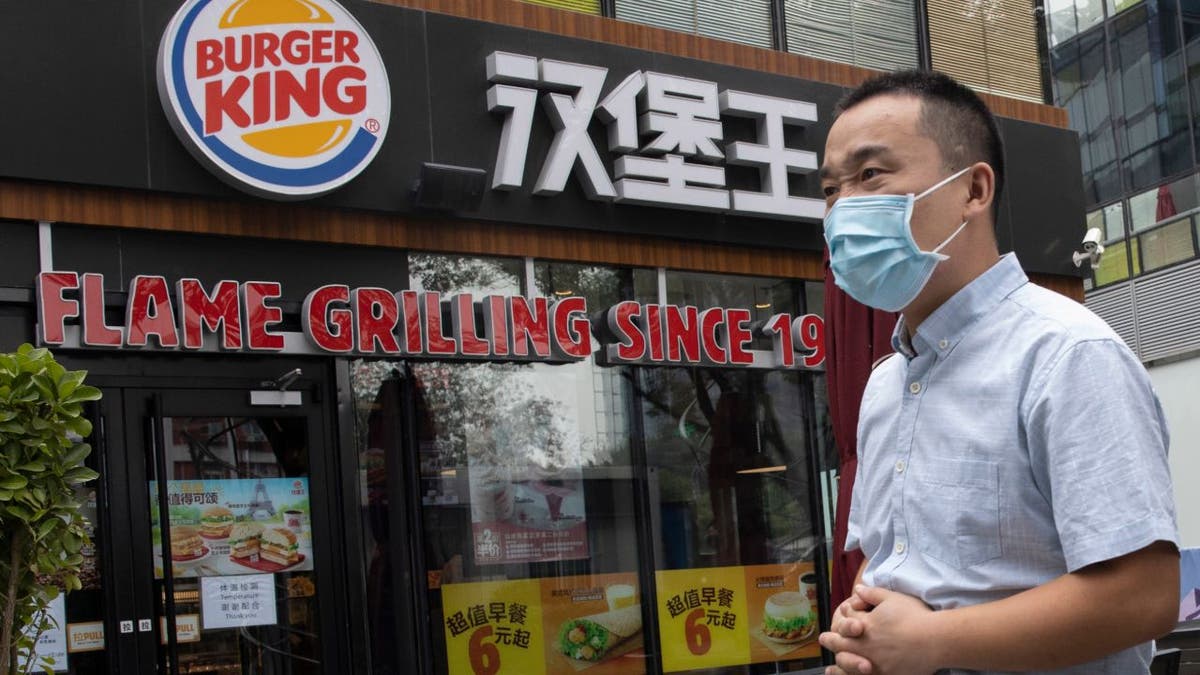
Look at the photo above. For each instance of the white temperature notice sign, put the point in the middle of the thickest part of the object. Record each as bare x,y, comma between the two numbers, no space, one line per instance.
237,601
51,648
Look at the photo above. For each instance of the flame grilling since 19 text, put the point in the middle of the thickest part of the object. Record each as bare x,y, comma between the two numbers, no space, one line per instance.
265,89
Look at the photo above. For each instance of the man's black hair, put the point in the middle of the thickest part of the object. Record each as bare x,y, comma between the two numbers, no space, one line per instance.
951,114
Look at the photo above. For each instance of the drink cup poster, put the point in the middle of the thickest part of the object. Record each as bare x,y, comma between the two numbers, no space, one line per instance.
235,526
517,516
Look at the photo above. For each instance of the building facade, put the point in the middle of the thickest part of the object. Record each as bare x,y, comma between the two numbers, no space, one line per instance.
450,337
1129,75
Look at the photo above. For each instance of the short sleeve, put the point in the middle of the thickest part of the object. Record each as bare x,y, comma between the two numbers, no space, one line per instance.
1098,446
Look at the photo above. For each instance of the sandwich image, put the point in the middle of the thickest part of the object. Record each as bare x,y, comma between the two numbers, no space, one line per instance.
215,522
592,638
279,545
185,543
244,540
787,618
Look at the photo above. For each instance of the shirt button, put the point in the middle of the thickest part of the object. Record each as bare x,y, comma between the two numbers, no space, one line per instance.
943,344
899,547
915,387
900,465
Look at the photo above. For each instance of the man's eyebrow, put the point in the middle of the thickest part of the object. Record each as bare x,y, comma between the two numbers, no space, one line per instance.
859,156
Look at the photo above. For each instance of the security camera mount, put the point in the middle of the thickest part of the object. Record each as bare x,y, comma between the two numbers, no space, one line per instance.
1092,255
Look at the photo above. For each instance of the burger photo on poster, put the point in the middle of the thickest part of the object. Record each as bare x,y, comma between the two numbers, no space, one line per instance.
244,540
279,545
186,543
216,522
787,618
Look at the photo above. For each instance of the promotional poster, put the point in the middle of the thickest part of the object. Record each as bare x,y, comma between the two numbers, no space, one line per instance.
235,526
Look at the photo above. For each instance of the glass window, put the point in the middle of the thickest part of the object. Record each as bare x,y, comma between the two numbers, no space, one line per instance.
1114,221
1163,203
458,274
1142,208
1114,265
1062,23
530,539
563,504
1089,12
1167,244
1190,12
1081,87
1151,89
1096,219
739,496
1115,6
239,504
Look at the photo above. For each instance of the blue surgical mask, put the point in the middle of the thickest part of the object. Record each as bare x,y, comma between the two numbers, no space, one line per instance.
872,252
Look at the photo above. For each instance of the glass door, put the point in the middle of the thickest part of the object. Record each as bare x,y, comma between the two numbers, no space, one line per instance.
231,534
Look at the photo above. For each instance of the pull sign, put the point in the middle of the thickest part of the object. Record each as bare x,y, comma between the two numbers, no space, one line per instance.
126,626
274,397
144,626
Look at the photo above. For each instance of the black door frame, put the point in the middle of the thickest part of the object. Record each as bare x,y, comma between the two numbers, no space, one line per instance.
129,383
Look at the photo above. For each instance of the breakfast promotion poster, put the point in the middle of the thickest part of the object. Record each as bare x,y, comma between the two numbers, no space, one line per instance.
560,626
235,526
726,616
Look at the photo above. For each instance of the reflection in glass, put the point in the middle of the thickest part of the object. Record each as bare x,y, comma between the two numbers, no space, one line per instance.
1151,87
1081,87
461,274
1190,14
1061,15
1163,203
1114,220
231,476
532,477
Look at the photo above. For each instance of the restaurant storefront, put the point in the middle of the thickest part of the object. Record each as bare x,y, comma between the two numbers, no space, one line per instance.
441,345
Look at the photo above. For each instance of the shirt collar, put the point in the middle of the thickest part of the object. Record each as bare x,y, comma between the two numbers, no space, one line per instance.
943,329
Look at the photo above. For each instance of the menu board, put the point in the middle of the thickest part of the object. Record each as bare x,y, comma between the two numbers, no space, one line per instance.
234,526
563,625
727,616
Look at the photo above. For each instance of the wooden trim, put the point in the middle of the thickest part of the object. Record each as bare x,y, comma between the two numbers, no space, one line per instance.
86,205
639,36
134,209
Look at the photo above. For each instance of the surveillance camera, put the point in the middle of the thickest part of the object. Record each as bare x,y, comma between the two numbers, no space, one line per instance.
1092,248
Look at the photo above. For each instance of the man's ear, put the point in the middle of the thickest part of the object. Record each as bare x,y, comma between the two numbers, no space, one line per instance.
982,190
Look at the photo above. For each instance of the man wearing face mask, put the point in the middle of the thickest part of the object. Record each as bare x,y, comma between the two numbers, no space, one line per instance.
1012,500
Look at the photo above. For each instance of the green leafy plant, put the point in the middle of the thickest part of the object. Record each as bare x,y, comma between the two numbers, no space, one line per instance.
41,529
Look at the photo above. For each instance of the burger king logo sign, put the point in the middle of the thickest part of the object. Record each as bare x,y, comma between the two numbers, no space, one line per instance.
282,98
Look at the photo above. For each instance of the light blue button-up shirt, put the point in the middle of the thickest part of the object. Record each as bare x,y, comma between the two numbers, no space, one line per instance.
1015,439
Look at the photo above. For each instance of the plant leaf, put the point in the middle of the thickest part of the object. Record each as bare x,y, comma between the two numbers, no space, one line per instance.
80,474
76,454
83,393
14,482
